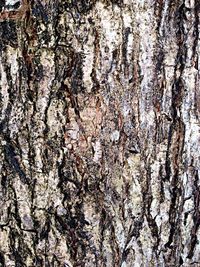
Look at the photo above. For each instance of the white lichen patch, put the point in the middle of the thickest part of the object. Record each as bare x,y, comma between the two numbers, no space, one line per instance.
4,90
13,61
55,120
147,242
93,220
97,151
88,63
134,163
12,2
135,199
155,189
115,136
47,61
110,24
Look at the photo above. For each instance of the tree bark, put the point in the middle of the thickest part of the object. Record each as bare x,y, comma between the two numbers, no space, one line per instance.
99,133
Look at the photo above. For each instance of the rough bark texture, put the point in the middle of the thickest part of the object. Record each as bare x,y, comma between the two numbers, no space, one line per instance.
99,131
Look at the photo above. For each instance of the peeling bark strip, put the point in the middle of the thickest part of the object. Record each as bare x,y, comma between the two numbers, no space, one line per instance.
99,133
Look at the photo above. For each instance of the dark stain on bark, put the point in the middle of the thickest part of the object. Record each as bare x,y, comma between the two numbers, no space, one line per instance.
196,215
2,4
158,10
81,7
39,11
196,30
77,74
8,34
125,64
11,157
118,2
46,229
2,260
168,161
176,190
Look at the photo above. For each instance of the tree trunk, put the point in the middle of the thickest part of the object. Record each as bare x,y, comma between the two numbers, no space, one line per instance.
99,131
